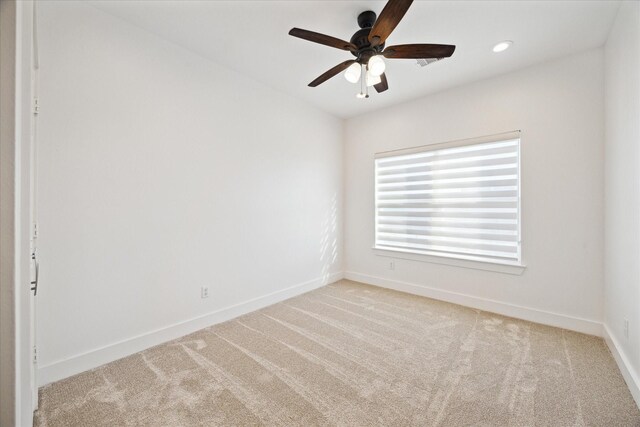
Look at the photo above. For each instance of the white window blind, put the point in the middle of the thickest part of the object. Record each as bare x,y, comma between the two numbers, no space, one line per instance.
458,200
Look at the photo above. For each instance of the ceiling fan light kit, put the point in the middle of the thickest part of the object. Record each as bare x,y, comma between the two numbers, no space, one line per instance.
376,65
353,73
368,46
372,79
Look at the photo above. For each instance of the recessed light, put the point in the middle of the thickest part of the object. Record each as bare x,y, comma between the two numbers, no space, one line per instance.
502,46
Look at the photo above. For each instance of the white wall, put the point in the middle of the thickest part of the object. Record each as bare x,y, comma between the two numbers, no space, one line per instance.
559,108
160,172
622,190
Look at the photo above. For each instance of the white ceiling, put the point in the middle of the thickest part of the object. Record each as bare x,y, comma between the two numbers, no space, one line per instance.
251,38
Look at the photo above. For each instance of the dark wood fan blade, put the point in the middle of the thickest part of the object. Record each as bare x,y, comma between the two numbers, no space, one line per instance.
419,51
322,39
383,85
388,19
332,72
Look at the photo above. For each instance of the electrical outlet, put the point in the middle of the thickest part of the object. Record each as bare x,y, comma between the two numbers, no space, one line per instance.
626,328
204,292
392,265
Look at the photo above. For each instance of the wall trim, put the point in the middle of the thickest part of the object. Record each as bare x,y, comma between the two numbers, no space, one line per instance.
564,321
629,374
94,358
515,269
67,367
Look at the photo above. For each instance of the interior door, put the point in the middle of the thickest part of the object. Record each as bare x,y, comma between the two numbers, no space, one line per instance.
33,212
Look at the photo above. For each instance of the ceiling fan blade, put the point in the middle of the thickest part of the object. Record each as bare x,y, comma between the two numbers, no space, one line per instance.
419,51
332,72
383,85
389,18
322,39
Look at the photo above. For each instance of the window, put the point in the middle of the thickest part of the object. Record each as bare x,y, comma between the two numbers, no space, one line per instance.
457,200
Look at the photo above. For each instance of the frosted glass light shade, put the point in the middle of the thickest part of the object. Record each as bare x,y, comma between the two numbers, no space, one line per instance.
376,65
372,80
353,73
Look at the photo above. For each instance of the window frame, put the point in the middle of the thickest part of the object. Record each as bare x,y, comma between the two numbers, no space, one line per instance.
503,266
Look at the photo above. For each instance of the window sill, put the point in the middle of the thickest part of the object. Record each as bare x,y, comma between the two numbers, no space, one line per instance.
515,269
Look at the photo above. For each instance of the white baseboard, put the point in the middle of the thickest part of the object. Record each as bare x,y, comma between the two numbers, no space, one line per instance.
585,326
82,362
630,375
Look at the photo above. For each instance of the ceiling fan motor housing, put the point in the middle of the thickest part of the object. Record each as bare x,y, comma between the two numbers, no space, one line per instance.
361,37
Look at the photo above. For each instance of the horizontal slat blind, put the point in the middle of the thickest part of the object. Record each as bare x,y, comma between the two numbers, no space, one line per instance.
459,201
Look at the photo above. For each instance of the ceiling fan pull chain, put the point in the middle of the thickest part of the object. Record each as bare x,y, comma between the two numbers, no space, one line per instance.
363,84
364,79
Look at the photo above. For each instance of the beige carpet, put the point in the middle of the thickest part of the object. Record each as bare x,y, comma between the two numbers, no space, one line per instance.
351,354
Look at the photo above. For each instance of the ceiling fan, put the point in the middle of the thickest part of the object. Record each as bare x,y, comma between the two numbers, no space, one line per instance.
368,46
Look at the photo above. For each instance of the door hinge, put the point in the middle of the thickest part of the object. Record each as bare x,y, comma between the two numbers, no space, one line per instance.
35,355
35,230
36,106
